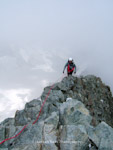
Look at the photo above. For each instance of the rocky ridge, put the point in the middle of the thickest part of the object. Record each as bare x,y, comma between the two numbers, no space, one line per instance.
78,115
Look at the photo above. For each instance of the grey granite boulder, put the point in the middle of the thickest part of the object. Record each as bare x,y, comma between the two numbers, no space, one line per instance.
102,136
29,114
70,118
2,133
73,138
74,112
54,96
67,84
32,135
50,132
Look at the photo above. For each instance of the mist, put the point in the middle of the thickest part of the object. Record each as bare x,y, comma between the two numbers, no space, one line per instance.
38,37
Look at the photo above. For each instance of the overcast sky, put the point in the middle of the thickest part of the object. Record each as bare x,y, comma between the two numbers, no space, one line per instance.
38,36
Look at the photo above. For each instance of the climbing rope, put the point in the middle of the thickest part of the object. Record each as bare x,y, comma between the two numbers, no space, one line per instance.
38,114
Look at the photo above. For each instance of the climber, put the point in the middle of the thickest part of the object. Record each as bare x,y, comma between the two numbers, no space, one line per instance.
70,67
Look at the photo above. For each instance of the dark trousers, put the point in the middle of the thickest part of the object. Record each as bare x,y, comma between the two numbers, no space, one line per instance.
69,73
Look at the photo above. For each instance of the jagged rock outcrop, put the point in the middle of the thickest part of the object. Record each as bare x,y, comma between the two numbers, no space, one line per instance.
102,136
78,115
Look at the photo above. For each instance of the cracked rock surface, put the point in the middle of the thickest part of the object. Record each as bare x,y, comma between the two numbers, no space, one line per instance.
78,115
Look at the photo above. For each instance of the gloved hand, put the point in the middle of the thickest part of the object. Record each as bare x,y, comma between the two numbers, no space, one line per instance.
63,71
74,72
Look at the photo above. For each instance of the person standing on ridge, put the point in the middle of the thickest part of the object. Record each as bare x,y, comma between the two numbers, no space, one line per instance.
70,67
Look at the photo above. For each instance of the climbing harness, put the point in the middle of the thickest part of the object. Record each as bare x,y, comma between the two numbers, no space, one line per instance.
70,70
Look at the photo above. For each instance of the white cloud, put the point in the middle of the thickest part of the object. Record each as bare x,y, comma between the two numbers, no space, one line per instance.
25,55
44,67
12,100
6,61
40,50
81,69
44,83
43,61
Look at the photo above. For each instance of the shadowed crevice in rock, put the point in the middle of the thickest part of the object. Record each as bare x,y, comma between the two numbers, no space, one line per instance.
78,115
